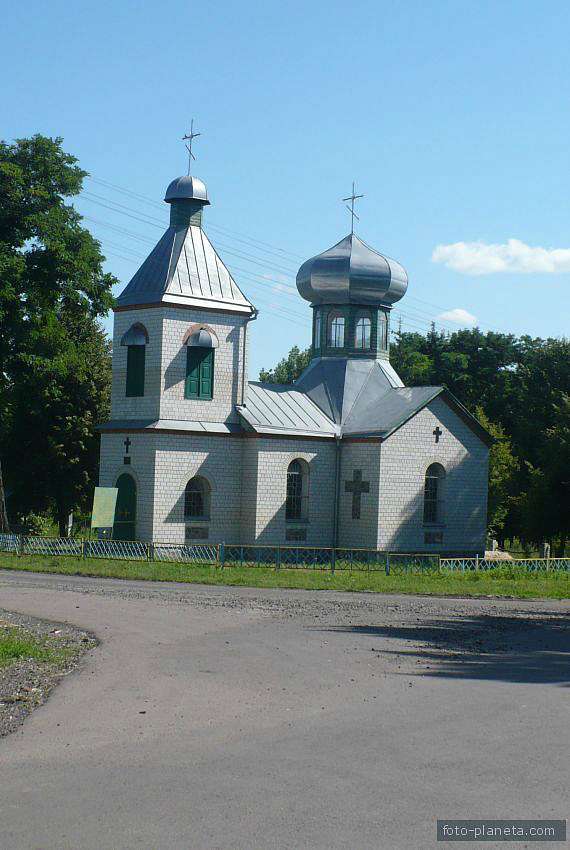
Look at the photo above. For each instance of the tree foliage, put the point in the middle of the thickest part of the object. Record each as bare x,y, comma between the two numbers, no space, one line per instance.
288,369
519,388
55,376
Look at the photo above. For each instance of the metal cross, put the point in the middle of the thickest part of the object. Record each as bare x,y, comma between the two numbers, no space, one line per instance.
437,433
189,137
357,487
352,198
127,443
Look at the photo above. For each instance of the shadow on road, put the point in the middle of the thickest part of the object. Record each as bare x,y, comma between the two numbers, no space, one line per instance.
502,648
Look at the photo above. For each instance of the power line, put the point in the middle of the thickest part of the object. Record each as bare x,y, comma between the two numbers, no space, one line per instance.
160,205
411,321
417,313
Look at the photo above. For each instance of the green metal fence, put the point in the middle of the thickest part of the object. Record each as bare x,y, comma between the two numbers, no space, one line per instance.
275,557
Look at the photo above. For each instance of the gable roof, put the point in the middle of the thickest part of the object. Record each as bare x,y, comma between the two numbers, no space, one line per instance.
375,409
384,414
184,268
280,409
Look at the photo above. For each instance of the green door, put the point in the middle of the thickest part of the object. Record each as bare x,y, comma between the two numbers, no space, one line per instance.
126,510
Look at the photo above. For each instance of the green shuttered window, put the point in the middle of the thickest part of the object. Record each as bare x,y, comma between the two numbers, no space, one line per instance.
199,373
135,370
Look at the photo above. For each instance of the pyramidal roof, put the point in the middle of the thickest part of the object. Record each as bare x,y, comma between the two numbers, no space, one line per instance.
184,268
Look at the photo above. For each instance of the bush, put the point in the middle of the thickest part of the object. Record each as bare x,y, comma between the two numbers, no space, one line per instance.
35,525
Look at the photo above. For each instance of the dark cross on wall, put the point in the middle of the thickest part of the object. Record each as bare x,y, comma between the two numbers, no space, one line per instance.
437,433
127,444
357,487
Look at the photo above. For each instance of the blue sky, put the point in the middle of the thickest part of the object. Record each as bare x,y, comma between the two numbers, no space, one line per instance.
452,117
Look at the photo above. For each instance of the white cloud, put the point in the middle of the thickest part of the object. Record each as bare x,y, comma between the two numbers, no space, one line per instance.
476,258
459,316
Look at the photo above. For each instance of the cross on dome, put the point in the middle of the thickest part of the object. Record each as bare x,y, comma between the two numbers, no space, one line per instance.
352,198
189,137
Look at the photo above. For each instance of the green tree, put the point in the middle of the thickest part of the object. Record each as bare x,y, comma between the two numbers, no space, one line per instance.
288,369
545,507
502,468
55,359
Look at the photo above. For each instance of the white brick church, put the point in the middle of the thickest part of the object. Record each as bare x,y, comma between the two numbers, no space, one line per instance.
345,457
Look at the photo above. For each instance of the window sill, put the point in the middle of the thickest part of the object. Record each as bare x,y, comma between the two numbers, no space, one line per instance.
189,520
296,521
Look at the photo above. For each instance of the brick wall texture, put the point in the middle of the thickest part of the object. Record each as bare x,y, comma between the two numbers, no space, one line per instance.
247,475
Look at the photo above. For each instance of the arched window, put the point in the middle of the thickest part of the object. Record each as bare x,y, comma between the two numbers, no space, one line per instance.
362,333
197,499
297,501
135,340
336,330
124,527
200,344
382,330
433,494
317,334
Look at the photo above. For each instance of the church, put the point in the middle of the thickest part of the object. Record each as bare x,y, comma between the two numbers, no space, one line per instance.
346,456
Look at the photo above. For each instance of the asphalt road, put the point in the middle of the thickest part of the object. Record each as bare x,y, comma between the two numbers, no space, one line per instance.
239,718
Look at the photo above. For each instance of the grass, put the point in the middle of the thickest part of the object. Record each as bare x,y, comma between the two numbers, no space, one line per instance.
16,643
502,581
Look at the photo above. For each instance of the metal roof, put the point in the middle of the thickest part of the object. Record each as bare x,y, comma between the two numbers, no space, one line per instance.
170,425
184,268
382,415
186,189
274,408
335,383
343,397
352,272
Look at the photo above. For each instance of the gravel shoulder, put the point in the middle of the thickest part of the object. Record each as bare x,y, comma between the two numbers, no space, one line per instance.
26,683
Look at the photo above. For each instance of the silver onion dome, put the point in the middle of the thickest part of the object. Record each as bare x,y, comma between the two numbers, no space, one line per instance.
187,189
352,273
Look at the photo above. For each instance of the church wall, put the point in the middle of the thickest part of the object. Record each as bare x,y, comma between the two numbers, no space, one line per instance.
229,329
147,406
270,458
404,458
141,468
179,458
249,463
363,532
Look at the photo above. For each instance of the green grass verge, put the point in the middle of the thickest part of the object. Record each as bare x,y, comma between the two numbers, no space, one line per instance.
503,581
17,643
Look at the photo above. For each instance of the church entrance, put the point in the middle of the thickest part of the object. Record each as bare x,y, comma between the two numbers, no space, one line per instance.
125,524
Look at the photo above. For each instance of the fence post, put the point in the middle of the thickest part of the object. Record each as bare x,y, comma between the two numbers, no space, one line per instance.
21,545
241,556
333,560
387,563
477,560
84,548
278,559
222,554
439,563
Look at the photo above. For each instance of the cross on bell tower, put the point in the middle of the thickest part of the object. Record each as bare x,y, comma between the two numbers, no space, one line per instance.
189,137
